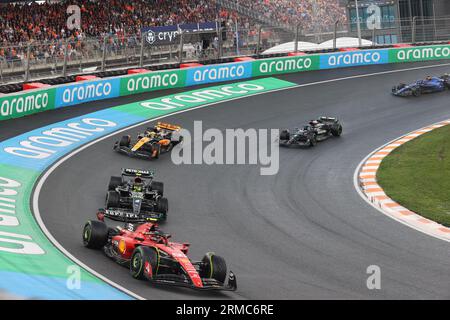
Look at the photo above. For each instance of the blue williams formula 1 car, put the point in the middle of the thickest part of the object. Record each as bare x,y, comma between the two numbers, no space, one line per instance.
427,85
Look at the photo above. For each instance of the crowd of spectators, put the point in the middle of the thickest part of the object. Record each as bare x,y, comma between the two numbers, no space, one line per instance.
44,24
311,15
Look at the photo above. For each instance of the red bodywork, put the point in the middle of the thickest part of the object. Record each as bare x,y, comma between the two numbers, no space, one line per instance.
127,241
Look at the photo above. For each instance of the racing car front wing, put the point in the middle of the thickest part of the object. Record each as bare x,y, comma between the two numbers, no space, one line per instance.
208,284
126,216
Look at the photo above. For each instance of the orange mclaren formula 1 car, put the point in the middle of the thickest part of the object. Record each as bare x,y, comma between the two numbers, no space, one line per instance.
153,142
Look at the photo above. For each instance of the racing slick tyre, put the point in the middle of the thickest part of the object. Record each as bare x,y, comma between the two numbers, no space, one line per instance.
337,131
144,263
95,234
284,135
114,182
125,141
112,199
416,92
213,267
162,205
312,142
158,186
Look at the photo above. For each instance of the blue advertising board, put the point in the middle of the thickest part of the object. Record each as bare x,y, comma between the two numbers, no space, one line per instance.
353,58
86,91
218,73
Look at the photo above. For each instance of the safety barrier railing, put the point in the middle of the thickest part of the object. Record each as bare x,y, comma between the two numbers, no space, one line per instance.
38,60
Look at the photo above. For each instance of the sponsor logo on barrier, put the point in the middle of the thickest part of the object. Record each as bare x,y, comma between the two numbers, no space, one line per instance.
356,58
13,242
420,54
285,65
50,141
84,92
209,74
152,81
20,105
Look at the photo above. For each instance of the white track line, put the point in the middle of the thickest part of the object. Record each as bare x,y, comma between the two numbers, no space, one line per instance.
44,177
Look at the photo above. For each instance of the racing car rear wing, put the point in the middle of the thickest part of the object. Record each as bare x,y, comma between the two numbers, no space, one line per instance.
138,172
168,126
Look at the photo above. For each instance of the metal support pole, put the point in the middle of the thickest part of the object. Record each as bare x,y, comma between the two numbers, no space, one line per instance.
1,70
358,25
141,54
297,34
373,37
181,46
219,43
335,34
66,53
413,30
258,45
27,70
104,53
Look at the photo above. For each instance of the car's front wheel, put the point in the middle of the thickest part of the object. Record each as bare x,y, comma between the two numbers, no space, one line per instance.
337,131
112,199
213,267
125,141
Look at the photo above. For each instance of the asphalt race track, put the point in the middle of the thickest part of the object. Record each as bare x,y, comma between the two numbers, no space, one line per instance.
304,233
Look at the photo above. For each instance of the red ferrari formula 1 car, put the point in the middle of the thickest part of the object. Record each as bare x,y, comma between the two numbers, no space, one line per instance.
149,254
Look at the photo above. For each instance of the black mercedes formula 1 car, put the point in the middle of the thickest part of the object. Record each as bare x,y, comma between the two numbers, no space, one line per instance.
150,144
134,196
150,255
316,131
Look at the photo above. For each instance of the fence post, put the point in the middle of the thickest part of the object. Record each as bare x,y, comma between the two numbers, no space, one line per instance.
413,30
297,33
219,43
104,53
141,54
335,34
258,45
27,70
66,52
181,46
1,70
373,37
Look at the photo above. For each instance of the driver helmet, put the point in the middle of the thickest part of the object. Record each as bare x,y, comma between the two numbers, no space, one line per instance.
428,78
314,123
138,185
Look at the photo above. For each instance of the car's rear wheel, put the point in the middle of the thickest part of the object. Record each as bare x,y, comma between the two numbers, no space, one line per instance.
312,141
125,141
114,182
337,131
112,199
284,135
163,205
213,267
144,263
416,92
158,186
95,234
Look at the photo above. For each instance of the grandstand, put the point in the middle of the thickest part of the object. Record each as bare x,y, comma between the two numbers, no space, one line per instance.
35,41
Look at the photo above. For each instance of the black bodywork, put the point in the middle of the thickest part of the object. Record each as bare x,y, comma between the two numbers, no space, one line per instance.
127,200
316,131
